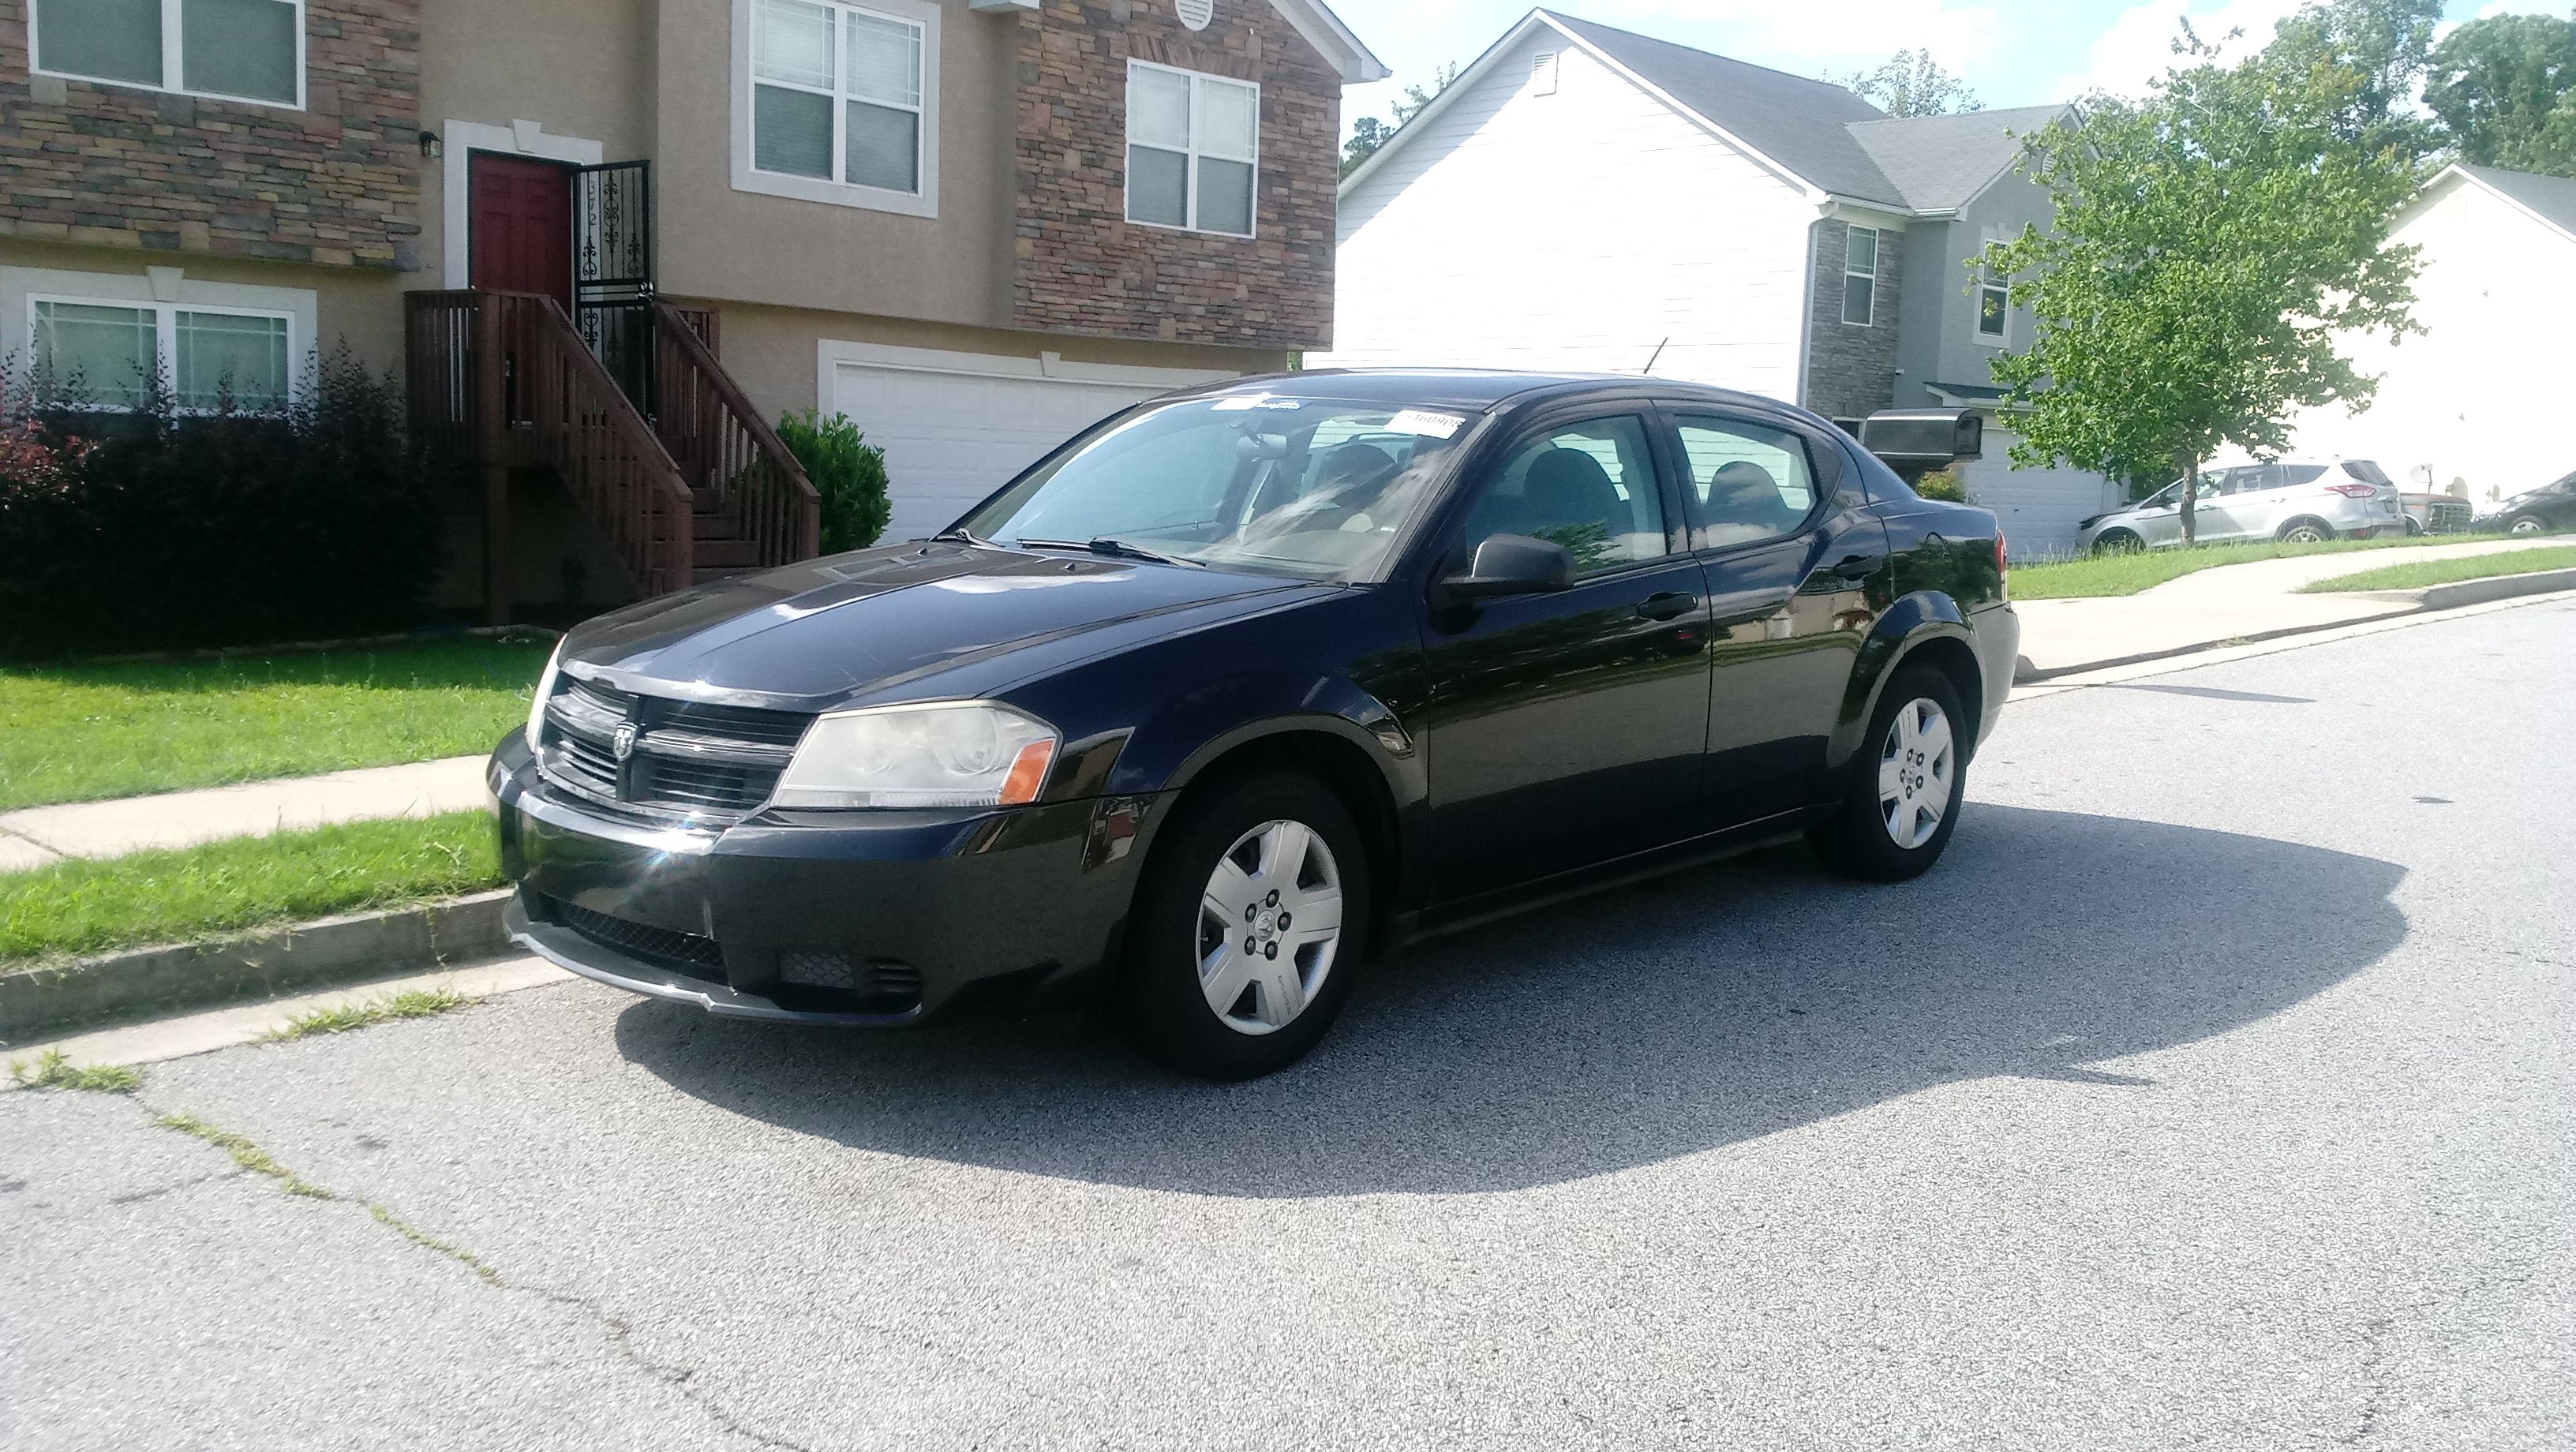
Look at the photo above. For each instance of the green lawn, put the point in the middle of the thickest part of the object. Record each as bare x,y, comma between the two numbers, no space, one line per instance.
84,732
2128,574
2417,574
73,908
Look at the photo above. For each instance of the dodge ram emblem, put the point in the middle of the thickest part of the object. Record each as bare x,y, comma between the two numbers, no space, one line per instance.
623,743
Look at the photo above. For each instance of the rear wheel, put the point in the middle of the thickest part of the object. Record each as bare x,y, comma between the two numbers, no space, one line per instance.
2118,542
1906,785
2306,531
1247,928
2526,524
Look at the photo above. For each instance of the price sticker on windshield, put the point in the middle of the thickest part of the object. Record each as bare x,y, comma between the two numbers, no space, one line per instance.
1426,424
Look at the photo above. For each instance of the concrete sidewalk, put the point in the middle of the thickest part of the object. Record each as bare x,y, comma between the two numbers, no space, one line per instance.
2224,606
40,835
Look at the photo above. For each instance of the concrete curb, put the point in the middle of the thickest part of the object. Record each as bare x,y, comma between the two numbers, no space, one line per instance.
2429,599
349,949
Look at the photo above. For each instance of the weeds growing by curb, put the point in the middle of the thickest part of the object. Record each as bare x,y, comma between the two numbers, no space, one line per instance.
52,1070
339,1018
245,1154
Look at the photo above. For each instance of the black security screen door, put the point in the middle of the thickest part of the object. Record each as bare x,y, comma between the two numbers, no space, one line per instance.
612,259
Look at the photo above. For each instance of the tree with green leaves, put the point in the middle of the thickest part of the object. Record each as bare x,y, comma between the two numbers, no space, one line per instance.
2505,88
1912,83
2211,241
1369,133
2388,47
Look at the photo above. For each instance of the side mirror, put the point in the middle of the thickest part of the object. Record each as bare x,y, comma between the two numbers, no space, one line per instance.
1514,564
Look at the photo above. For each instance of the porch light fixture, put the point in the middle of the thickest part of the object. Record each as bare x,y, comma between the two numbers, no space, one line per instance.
431,146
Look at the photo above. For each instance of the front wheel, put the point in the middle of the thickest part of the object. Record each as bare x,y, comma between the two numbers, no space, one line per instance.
1247,928
1906,787
2118,542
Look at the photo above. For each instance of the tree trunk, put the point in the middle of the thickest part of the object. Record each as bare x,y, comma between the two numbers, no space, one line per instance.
2190,500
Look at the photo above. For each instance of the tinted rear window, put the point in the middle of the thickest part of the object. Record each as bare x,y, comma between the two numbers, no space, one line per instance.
2366,471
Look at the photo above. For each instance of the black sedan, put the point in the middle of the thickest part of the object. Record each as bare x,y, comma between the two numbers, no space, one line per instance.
1246,685
2535,511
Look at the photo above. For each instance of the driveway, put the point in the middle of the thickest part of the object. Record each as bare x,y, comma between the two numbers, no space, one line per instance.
2219,1090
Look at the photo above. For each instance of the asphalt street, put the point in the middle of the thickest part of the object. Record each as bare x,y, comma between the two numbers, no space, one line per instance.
2219,1091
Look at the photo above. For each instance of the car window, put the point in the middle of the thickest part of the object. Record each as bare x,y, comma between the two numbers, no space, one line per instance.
2367,472
1753,482
1589,487
2251,479
2295,474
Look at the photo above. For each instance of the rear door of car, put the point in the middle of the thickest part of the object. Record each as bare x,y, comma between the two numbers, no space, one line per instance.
2244,500
1791,551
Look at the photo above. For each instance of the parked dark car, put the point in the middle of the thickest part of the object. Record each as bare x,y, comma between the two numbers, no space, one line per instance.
2535,511
1247,683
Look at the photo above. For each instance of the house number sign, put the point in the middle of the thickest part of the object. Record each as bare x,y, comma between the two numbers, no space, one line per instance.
1195,13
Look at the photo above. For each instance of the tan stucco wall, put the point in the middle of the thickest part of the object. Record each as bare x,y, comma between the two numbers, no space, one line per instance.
741,246
578,68
363,308
771,351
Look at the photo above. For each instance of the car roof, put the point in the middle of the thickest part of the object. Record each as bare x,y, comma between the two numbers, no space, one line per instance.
1472,388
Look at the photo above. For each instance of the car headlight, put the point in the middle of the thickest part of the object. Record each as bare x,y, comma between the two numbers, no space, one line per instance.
545,693
952,754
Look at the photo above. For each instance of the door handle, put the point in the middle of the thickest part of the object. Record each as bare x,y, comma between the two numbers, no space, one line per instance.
1860,567
1668,605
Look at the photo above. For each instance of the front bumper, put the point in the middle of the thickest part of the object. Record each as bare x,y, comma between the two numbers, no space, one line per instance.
882,918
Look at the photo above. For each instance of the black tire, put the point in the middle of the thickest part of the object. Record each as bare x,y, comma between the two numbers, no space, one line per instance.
2118,542
1164,1009
2526,524
1857,840
2290,532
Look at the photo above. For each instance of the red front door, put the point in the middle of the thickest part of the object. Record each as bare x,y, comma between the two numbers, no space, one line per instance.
521,225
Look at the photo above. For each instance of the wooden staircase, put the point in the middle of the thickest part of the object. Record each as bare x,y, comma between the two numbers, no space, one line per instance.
687,484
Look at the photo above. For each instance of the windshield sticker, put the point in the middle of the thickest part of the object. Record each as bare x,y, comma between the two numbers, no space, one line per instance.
1426,424
1244,402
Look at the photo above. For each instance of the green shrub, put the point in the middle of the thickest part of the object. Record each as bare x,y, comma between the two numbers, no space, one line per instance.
158,528
1942,484
847,470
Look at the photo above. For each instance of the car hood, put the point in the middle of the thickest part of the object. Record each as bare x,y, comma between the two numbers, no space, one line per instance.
820,634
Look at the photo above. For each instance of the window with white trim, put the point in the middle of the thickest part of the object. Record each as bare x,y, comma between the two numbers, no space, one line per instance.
1193,149
1860,276
107,353
233,50
838,95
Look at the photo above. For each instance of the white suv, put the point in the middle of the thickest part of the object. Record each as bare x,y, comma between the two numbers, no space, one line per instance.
2294,499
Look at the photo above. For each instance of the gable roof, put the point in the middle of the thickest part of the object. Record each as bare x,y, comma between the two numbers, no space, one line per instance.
1941,163
2550,198
1812,132
1802,124
1325,31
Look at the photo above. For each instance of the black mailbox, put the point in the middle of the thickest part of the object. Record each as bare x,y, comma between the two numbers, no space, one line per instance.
1924,439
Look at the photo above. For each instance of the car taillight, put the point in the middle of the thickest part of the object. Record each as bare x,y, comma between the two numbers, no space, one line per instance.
2355,491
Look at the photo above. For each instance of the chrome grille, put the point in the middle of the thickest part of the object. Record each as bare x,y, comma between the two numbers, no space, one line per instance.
689,759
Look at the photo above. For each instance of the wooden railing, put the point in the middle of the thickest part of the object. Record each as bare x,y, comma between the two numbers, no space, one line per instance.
726,451
503,380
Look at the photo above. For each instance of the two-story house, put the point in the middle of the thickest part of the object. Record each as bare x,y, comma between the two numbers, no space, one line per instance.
1590,199
606,242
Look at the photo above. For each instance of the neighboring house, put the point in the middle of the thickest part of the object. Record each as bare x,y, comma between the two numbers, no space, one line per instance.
1586,198
973,225
2471,402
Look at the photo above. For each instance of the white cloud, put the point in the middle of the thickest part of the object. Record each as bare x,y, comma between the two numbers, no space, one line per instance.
2138,48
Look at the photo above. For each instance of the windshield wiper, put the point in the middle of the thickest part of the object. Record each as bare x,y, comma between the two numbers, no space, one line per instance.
1115,548
960,534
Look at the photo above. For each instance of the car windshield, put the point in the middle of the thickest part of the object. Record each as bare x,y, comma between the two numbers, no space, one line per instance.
1317,488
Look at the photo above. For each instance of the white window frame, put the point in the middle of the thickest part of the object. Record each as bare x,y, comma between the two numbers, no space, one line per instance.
1987,287
1128,141
1878,242
166,291
170,60
832,191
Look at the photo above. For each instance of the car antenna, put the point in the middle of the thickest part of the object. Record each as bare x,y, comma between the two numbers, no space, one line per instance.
1659,353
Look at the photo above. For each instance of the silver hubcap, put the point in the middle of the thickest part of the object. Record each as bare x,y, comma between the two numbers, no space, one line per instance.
2304,536
1914,769
1269,925
2526,526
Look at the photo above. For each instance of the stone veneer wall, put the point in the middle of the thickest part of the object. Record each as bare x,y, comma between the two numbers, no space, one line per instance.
1851,371
336,183
1080,266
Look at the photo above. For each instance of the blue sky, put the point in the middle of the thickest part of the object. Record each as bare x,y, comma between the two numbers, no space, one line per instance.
2014,52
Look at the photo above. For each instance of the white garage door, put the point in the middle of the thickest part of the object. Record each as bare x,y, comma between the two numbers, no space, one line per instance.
2038,508
950,438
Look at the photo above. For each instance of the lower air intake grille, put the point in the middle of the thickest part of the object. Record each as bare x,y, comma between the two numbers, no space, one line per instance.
685,952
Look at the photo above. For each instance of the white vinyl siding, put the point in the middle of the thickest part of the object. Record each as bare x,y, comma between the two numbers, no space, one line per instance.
232,50
1193,150
1579,230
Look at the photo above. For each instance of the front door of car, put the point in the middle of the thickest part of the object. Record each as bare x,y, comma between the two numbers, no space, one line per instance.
1790,552
2158,517
2245,506
1566,728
